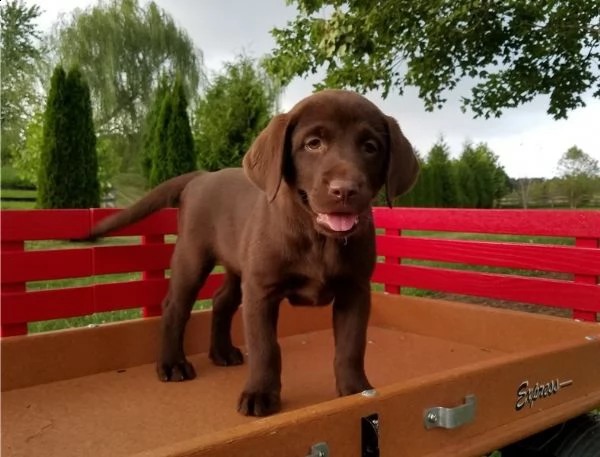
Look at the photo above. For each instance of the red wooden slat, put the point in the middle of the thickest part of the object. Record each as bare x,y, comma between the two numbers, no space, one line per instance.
563,259
163,222
566,223
46,265
139,294
584,278
132,258
19,328
57,224
156,273
536,291
47,304
393,259
127,295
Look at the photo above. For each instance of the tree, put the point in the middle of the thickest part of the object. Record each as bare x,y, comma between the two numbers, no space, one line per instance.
150,128
508,52
123,49
467,187
180,142
444,192
173,148
68,173
237,105
20,53
578,172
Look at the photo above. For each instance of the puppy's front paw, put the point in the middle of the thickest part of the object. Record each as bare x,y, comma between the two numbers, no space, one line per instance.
175,372
259,403
353,386
226,357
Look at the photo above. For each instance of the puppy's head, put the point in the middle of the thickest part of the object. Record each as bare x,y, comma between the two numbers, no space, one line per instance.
334,151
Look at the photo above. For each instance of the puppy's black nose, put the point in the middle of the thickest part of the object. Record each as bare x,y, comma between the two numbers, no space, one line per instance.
342,190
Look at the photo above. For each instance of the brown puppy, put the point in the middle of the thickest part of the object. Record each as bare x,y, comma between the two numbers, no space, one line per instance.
294,223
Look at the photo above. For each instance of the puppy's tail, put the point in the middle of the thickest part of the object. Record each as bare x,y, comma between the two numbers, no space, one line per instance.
164,195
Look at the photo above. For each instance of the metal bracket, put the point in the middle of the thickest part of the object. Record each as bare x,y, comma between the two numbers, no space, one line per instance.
319,450
440,417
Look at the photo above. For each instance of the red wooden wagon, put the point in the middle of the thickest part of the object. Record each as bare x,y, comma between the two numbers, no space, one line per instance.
452,378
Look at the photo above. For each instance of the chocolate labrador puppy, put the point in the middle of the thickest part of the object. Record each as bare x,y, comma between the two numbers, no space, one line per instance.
294,223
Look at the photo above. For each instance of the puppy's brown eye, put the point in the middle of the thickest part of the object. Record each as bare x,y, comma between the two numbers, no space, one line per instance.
313,144
371,147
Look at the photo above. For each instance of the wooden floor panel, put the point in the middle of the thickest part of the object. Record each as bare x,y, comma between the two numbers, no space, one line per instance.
119,413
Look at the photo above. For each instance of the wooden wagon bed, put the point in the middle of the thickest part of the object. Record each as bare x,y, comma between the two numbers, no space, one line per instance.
449,377
95,392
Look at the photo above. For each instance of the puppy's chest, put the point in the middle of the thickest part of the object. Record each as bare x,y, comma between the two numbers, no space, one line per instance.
312,280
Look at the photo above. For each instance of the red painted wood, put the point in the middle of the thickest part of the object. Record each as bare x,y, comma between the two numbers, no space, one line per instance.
553,258
115,296
21,307
163,222
562,223
8,328
21,225
42,265
154,272
536,291
132,258
392,258
589,278
143,293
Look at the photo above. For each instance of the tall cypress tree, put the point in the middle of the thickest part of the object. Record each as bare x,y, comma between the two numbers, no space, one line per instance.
160,170
173,151
83,170
150,129
180,145
69,164
54,137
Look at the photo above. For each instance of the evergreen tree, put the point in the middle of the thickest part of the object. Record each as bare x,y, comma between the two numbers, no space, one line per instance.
465,179
180,146
83,176
51,182
161,170
68,176
150,128
173,152
443,184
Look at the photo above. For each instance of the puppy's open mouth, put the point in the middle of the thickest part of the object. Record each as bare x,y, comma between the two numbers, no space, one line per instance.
337,222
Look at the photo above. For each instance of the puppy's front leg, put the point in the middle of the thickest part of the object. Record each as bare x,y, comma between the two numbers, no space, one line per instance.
262,394
351,310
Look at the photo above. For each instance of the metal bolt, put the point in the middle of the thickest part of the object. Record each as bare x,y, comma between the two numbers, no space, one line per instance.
319,450
432,417
369,393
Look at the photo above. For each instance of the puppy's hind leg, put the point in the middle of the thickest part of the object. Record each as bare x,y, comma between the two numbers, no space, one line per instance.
189,270
226,301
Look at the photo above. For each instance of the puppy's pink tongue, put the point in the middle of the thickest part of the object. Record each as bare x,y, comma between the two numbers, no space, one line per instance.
338,222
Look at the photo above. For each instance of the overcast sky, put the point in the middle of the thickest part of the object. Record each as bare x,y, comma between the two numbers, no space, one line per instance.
527,140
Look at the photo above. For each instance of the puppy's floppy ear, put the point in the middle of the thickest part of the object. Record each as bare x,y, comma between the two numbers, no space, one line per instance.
403,166
263,163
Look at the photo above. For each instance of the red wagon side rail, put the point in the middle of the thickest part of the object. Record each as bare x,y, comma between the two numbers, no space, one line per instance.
578,262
